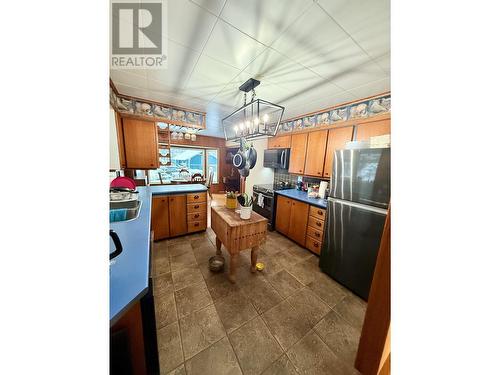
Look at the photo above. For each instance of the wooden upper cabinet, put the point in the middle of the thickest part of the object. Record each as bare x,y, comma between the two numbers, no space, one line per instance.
160,217
337,138
141,144
298,148
282,141
283,209
299,215
316,146
372,129
177,214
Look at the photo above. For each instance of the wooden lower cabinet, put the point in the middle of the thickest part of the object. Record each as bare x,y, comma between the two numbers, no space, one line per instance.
298,222
301,222
172,215
160,217
283,209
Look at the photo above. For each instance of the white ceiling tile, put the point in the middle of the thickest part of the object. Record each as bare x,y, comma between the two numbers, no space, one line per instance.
214,6
385,63
215,70
125,77
367,21
260,19
202,87
373,88
132,91
188,24
231,46
180,63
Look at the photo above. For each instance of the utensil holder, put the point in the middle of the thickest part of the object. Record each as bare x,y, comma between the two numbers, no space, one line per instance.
245,212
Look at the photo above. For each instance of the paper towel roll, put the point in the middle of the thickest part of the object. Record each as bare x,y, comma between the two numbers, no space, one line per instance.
322,189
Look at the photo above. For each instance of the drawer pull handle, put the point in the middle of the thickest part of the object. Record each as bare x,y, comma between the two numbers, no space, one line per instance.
197,206
320,213
316,234
196,224
196,216
318,223
316,244
196,196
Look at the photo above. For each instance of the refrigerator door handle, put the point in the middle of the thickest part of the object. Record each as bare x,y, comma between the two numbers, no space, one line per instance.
359,205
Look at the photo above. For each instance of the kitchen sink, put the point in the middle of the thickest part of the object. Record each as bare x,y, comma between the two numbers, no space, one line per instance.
124,211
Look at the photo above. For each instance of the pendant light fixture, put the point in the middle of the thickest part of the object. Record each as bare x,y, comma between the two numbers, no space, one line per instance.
256,119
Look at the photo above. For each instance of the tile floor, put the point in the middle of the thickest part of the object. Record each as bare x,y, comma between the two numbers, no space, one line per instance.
288,319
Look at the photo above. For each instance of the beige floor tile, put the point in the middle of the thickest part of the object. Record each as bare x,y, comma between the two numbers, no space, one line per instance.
284,283
181,261
283,366
310,307
165,310
179,248
340,336
327,289
352,309
217,359
286,324
199,330
187,276
169,348
162,284
161,265
255,346
192,298
178,371
235,310
262,295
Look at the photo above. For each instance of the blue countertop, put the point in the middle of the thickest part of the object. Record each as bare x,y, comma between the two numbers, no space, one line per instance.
129,271
177,189
302,196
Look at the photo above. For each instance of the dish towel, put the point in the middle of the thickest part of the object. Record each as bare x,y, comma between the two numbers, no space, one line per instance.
260,200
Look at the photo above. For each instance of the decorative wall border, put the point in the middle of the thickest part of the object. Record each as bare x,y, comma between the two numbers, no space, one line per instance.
149,110
365,108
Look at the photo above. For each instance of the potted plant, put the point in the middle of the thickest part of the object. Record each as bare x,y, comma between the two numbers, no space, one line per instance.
231,199
246,203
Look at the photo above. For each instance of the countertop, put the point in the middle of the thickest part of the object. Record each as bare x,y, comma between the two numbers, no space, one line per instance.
129,271
302,196
177,189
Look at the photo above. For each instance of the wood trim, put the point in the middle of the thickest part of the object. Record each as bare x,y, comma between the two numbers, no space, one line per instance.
374,333
121,141
337,106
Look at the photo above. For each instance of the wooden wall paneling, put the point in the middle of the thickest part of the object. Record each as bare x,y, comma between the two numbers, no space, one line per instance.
374,333
316,147
337,138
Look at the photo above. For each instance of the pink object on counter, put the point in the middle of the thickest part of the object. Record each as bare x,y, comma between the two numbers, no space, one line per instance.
125,182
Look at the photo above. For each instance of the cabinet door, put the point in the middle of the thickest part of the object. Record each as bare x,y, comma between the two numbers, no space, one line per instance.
141,144
298,222
337,138
372,129
298,149
316,147
177,215
279,142
283,214
160,217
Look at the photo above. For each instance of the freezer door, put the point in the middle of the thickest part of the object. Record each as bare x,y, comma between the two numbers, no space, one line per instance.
352,239
362,176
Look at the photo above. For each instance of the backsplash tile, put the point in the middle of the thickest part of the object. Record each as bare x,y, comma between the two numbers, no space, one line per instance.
283,175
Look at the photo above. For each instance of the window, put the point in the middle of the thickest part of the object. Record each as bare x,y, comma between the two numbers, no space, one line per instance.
190,159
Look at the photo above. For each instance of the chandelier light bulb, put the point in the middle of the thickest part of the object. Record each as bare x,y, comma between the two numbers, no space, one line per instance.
236,129
242,126
247,123
256,121
266,117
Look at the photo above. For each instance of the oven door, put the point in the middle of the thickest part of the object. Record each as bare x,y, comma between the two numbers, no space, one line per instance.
266,207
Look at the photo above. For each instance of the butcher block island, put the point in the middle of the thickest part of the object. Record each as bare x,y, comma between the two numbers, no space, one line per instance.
237,234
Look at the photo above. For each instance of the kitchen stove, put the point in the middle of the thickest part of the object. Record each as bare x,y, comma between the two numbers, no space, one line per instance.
266,205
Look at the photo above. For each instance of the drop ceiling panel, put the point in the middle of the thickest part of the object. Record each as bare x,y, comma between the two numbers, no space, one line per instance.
189,24
368,22
126,77
261,19
231,46
213,6
372,88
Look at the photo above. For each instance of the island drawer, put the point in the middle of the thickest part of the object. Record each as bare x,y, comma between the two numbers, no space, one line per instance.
316,223
317,234
196,216
197,197
196,207
195,226
313,245
317,212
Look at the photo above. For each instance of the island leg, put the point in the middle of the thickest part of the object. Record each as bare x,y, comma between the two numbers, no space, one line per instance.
218,245
232,268
255,251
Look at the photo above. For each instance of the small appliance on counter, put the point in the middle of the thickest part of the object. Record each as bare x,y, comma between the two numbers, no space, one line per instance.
323,186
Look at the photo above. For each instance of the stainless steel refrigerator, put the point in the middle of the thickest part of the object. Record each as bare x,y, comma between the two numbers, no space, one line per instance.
356,212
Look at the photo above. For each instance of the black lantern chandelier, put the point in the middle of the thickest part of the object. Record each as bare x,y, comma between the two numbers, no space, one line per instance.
256,119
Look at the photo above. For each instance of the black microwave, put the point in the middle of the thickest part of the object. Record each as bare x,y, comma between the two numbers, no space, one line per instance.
277,158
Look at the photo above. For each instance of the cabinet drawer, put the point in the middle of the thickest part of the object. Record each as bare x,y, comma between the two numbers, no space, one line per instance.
316,223
197,197
317,234
196,207
197,216
313,245
195,226
317,212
